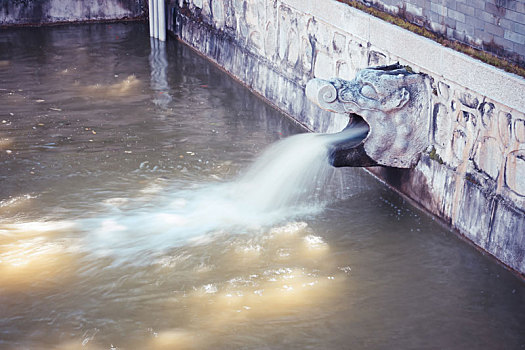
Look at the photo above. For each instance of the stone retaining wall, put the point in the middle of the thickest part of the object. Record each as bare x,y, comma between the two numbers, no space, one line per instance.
496,26
31,12
473,175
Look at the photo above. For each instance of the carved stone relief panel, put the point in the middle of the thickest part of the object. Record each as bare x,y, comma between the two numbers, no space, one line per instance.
515,172
468,128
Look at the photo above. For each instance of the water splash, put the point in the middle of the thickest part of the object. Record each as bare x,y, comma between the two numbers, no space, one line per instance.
290,180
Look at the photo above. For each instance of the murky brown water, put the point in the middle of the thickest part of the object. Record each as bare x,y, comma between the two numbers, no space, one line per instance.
114,154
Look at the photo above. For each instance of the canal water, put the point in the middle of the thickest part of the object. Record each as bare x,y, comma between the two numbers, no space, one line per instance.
140,210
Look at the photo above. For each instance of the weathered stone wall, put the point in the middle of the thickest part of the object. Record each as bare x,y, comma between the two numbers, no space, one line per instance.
473,175
497,26
25,12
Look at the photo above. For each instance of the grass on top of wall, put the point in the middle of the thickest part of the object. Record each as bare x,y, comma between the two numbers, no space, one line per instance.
455,45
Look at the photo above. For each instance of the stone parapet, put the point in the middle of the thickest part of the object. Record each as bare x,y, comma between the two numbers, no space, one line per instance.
473,173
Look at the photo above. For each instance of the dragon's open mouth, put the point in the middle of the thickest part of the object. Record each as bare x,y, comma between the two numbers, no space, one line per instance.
348,149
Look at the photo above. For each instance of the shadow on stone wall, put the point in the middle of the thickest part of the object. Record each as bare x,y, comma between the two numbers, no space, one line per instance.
35,12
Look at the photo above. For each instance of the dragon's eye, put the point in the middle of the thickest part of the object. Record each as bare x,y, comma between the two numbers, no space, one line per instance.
368,91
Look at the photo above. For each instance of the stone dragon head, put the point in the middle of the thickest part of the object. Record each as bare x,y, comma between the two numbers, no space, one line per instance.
394,102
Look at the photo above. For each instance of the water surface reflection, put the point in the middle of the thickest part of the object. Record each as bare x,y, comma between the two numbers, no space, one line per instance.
106,142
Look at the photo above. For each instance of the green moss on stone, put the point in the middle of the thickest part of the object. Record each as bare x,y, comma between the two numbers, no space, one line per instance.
435,156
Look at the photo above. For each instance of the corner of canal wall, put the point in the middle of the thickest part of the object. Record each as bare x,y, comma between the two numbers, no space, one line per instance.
37,12
472,176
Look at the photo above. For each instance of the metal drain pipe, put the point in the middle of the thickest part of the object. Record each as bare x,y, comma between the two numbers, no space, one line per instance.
150,11
157,19
162,20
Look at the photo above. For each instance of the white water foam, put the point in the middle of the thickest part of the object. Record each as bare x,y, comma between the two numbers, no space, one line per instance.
287,182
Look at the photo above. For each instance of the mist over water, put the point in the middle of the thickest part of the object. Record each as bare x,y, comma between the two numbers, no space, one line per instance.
147,201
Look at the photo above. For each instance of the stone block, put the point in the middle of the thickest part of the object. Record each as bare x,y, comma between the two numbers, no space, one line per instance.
465,28
494,29
520,50
438,8
479,4
485,16
474,21
506,24
484,36
421,3
458,16
495,10
500,40
435,17
450,4
515,37
508,236
518,27
450,23
438,28
510,5
518,17
474,212
466,9
475,42
425,5
414,10
394,9
391,3
459,35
